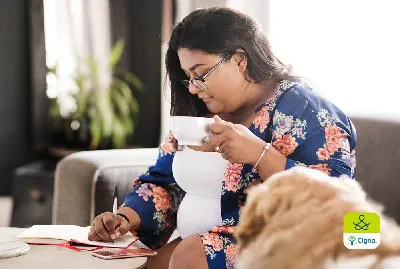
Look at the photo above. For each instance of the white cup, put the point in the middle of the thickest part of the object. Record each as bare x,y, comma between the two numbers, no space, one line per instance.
190,131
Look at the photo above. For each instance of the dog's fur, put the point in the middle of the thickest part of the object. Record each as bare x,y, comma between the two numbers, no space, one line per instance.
294,220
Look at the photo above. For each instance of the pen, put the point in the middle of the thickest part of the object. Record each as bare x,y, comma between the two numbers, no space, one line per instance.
115,204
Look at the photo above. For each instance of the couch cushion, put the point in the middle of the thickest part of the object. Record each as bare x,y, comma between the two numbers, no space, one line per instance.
107,179
378,161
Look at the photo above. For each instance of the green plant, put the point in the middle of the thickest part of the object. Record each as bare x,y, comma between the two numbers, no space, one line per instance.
106,113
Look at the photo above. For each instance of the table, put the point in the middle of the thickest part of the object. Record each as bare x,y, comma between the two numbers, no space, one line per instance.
55,257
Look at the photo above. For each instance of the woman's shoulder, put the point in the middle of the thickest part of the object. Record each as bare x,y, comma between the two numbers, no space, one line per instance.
301,102
301,96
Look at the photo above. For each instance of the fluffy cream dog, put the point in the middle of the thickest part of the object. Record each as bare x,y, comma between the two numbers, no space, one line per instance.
294,220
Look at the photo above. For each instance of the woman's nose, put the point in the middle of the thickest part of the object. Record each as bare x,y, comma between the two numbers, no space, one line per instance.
193,89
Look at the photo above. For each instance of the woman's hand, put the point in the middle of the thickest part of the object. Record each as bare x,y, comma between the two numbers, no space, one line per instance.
206,147
106,228
235,142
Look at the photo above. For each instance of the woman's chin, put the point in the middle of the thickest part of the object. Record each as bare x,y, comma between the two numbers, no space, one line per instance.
214,108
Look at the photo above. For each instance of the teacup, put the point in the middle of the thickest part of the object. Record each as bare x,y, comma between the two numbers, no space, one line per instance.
190,131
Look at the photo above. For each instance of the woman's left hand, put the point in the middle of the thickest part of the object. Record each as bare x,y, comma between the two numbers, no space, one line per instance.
235,142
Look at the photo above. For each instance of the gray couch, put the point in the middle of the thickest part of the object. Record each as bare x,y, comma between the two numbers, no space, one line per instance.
84,181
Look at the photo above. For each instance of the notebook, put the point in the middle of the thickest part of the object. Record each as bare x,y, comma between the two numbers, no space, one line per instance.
37,234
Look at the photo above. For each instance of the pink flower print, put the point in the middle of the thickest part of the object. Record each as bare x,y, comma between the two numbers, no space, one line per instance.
232,176
168,146
333,138
286,144
231,252
213,240
262,120
321,167
162,199
323,154
223,229
144,191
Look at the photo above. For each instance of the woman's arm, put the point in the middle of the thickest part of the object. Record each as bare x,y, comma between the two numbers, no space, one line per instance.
150,208
270,163
311,133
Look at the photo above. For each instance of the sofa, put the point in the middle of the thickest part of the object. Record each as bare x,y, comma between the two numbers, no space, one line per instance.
84,181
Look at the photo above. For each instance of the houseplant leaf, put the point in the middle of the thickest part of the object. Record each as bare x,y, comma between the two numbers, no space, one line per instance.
115,54
121,104
119,134
133,80
96,132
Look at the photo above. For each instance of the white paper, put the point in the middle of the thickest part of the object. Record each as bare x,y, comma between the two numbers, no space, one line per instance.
74,233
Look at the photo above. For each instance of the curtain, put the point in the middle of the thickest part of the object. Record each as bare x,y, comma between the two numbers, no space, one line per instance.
75,30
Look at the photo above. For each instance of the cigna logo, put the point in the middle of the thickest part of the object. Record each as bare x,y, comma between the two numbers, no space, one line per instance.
361,240
361,230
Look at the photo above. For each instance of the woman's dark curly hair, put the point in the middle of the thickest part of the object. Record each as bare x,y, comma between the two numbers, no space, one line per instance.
218,31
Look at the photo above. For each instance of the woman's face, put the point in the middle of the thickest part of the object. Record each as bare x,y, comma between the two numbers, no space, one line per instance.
225,83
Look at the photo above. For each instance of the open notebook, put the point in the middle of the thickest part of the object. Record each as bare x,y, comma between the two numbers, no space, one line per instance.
71,233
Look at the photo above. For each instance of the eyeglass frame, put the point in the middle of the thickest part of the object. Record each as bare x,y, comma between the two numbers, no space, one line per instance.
203,77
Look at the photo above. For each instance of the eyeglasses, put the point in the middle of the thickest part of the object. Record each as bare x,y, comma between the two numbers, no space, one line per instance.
200,82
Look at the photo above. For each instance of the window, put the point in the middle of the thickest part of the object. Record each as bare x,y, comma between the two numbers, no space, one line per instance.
349,49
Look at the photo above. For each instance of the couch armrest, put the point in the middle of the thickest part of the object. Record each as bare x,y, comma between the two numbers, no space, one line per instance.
81,180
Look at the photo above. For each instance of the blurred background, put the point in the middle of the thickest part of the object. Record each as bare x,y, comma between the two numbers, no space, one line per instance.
88,74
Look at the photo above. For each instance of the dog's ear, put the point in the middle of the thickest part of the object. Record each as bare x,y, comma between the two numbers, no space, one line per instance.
251,220
260,208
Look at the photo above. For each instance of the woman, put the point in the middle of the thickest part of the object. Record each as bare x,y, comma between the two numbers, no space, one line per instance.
220,63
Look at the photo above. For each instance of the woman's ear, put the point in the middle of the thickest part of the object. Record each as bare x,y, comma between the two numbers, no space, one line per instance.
240,59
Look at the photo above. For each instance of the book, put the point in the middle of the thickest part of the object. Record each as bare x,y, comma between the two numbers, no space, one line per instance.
39,234
11,247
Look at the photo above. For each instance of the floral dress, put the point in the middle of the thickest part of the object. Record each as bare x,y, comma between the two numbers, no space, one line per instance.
307,129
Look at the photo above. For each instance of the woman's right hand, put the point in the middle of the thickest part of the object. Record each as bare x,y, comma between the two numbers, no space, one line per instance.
106,228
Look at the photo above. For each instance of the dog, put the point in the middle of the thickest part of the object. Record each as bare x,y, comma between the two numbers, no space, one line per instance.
294,220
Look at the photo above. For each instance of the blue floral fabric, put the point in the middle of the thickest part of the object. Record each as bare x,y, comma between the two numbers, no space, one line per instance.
307,129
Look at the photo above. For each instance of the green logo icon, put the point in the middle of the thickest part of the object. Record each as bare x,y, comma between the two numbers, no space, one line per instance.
361,225
352,239
361,222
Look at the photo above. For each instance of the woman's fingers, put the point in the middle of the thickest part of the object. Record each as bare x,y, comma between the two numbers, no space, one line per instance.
122,226
98,231
93,236
223,148
219,126
109,224
217,140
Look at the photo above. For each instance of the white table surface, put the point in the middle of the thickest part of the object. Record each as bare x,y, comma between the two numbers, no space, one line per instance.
49,257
